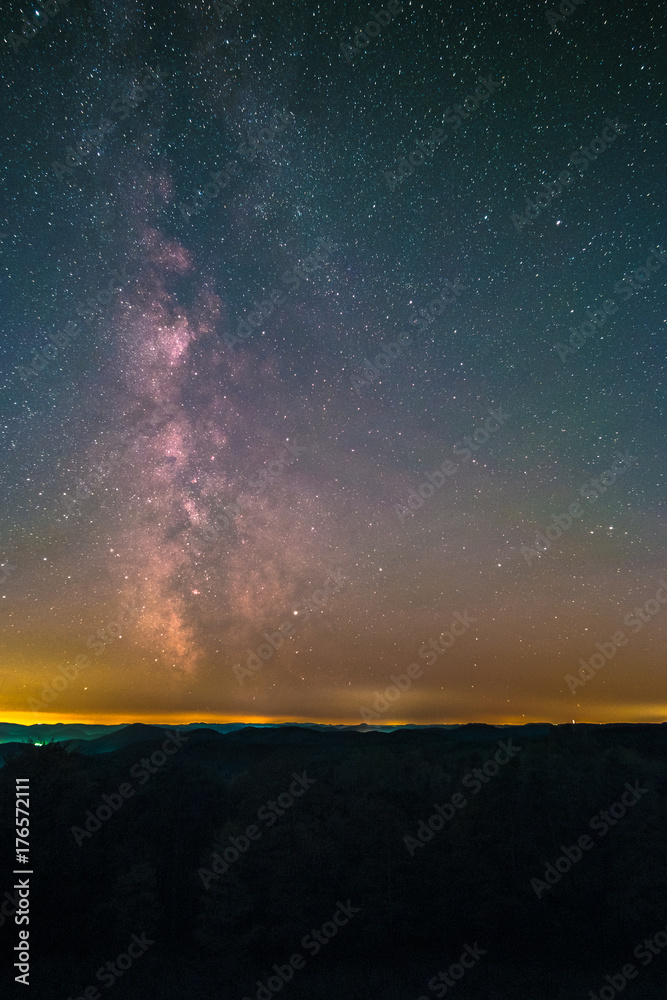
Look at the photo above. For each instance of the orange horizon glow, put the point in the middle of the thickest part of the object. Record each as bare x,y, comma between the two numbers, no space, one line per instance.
650,715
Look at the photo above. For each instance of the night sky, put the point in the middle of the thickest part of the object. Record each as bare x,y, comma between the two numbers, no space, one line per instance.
246,317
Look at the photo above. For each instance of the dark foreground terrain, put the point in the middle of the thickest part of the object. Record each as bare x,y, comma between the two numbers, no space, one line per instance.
320,864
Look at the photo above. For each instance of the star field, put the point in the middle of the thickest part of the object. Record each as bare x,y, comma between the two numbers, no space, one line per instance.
173,177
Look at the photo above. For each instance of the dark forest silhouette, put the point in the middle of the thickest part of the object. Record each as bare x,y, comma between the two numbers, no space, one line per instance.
342,839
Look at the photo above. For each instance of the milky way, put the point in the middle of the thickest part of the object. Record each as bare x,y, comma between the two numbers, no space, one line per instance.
337,311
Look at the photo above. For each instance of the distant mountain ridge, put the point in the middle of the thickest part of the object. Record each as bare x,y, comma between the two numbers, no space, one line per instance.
100,739
46,732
